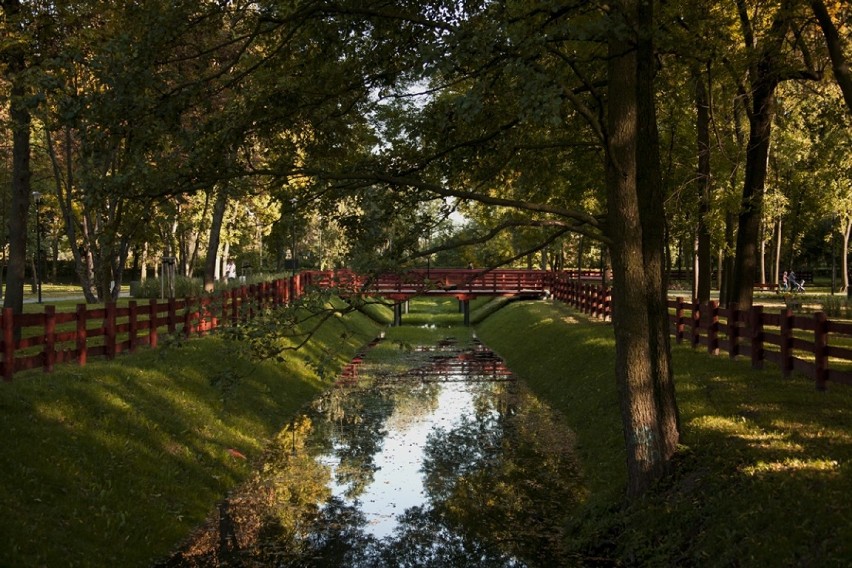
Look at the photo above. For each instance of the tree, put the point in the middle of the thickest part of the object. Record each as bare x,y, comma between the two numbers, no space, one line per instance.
14,53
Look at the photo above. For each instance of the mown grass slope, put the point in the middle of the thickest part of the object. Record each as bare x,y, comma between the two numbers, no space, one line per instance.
112,464
763,477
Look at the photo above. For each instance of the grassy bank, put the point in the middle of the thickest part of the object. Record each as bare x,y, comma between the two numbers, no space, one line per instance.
763,476
112,464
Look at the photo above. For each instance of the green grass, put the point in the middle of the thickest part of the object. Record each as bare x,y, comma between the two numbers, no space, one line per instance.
762,479
114,463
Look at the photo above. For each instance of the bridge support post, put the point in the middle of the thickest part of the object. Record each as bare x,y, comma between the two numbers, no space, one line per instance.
397,314
466,304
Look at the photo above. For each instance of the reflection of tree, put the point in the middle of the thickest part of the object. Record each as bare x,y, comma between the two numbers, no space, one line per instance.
338,538
508,476
269,516
423,539
354,423
353,431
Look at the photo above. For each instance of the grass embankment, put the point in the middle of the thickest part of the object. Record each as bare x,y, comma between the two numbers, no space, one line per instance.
112,464
763,478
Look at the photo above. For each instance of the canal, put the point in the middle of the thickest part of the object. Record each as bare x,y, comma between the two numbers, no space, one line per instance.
426,452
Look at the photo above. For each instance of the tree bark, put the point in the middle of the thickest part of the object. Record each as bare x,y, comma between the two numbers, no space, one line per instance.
19,114
702,264
643,370
215,237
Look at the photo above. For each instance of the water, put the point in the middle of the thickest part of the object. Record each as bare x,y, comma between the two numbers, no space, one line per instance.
429,457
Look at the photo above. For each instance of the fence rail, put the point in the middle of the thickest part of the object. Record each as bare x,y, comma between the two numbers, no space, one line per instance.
813,345
43,340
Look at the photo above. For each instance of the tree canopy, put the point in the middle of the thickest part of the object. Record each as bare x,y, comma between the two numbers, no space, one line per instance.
320,134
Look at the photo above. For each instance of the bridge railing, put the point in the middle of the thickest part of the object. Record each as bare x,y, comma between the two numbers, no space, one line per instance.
438,280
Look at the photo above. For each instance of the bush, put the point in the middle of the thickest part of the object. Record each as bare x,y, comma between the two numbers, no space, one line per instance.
836,307
184,287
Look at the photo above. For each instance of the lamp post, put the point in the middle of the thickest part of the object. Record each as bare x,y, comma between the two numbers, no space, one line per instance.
37,199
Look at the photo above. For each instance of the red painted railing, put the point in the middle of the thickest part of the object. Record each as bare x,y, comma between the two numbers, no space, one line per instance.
436,281
51,337
812,345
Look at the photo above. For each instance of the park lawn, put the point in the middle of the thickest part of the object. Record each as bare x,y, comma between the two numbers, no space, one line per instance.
763,475
114,463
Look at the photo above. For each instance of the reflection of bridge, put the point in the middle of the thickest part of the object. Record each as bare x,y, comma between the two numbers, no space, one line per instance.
464,284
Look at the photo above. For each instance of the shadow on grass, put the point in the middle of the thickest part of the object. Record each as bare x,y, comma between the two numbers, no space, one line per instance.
112,464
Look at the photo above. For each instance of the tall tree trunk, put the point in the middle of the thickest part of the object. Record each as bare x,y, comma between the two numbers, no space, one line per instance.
844,257
751,205
651,209
702,263
213,242
20,117
762,259
777,273
642,364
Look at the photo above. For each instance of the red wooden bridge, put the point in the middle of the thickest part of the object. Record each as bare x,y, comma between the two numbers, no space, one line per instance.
464,284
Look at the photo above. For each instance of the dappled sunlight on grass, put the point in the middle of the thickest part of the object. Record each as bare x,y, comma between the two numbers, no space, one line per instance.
99,461
792,466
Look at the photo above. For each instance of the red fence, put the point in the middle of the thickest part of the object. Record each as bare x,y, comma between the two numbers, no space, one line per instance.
49,338
592,299
812,345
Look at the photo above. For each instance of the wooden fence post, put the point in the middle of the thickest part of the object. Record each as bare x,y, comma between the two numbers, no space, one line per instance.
696,323
8,344
171,317
820,350
49,337
733,330
187,317
152,323
82,344
786,341
131,325
109,328
756,322
713,328
235,314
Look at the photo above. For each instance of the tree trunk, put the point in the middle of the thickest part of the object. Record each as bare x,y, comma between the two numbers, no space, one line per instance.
642,363
777,272
844,257
751,206
213,242
702,263
21,174
762,259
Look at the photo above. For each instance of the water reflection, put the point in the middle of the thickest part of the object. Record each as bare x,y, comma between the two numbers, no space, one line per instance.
449,462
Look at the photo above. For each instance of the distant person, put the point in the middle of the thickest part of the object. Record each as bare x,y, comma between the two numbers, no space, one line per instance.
795,284
230,270
785,282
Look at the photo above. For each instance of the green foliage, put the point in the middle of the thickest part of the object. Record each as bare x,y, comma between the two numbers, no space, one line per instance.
836,306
